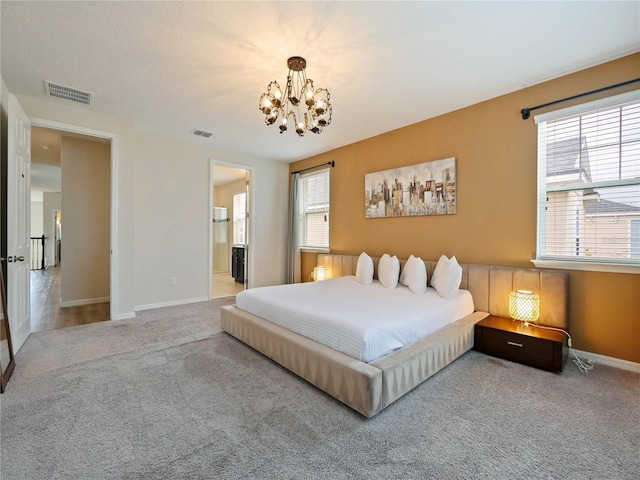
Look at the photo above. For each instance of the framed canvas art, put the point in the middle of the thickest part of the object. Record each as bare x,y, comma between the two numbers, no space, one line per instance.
424,189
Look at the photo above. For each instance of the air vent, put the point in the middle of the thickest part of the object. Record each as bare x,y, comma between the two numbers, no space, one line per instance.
67,93
201,133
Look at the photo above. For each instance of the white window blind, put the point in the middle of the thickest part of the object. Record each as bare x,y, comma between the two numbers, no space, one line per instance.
589,182
314,210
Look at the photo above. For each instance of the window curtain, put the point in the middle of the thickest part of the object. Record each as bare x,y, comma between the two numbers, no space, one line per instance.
293,263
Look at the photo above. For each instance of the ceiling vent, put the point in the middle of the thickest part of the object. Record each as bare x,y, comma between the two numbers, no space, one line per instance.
67,93
201,133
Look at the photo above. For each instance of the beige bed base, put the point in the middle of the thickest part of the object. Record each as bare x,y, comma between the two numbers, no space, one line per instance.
370,387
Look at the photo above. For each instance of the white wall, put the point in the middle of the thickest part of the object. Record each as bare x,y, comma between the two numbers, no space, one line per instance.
162,206
52,201
36,219
173,220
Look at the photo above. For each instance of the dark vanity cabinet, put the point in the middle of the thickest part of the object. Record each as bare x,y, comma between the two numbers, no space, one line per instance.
237,264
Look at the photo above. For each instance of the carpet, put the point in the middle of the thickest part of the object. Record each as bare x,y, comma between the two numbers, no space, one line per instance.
168,395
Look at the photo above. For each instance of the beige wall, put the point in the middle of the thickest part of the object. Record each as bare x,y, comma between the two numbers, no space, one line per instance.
495,223
86,175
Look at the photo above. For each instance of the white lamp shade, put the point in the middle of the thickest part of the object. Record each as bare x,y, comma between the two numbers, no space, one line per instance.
318,273
524,305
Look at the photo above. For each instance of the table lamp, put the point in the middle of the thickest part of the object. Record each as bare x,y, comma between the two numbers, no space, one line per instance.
524,305
318,273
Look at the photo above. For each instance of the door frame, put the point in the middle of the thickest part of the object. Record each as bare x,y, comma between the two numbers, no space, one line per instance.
114,141
250,207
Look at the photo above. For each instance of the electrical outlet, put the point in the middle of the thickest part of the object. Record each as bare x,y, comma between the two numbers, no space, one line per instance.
172,281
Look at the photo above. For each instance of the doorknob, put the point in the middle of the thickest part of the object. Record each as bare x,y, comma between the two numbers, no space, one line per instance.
16,258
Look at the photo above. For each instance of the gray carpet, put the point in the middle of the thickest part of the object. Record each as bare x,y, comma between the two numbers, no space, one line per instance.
168,395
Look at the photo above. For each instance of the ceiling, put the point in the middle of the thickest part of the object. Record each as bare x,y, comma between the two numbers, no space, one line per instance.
172,67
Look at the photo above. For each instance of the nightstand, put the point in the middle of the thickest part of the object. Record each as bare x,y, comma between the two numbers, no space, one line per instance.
537,347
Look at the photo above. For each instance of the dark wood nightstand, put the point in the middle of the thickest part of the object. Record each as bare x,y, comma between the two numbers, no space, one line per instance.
537,347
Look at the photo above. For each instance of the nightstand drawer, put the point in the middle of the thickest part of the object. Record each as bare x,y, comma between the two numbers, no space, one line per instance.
516,345
501,337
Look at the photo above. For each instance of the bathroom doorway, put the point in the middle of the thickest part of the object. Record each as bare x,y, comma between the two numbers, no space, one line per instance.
230,229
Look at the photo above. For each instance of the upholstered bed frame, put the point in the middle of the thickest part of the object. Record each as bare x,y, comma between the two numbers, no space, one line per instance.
370,387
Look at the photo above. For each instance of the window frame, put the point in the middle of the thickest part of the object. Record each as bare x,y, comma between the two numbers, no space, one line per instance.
542,260
302,213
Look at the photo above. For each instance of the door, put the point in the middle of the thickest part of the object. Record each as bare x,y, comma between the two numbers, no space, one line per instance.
18,221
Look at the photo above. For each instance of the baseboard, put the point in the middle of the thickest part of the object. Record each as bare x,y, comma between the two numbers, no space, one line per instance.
86,301
126,316
609,361
171,304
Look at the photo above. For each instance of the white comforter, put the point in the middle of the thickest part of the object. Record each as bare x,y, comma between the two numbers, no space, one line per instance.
362,321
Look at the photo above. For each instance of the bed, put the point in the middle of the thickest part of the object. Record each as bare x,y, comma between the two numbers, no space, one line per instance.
369,387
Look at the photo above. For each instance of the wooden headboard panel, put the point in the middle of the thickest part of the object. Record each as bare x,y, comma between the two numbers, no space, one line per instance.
489,285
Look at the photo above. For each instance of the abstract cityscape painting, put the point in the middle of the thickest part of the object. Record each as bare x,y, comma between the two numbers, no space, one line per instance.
424,189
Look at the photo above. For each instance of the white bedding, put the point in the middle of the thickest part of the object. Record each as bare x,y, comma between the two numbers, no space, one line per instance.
362,321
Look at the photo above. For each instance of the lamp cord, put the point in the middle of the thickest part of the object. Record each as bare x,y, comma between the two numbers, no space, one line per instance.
583,366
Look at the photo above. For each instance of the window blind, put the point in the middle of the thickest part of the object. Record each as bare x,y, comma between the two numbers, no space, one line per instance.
589,182
314,210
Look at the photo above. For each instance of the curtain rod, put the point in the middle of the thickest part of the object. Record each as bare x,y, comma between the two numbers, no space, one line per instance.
332,163
527,111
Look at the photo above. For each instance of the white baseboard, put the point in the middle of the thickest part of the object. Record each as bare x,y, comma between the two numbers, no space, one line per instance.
126,316
609,361
86,301
171,304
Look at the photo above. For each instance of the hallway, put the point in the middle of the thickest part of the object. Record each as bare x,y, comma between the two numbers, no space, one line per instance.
46,313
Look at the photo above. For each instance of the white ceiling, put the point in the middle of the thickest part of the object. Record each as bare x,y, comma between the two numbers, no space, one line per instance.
176,66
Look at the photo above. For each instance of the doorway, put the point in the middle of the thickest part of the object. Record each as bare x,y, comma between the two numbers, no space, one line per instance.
230,229
75,285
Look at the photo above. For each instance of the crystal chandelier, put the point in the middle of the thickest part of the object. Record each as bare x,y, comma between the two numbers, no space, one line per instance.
309,108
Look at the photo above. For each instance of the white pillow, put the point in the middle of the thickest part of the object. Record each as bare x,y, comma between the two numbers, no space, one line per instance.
389,271
405,271
414,275
447,276
364,269
441,268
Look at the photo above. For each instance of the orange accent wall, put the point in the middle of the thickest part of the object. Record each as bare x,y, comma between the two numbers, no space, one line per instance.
495,222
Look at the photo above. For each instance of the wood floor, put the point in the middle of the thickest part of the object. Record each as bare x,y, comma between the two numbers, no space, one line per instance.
46,313
225,286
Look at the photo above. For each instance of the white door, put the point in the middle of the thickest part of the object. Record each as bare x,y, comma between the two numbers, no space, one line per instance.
18,222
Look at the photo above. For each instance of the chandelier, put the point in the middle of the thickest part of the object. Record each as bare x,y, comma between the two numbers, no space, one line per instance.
309,108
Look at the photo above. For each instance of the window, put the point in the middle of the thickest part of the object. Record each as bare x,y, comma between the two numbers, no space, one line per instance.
314,210
589,184
239,218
